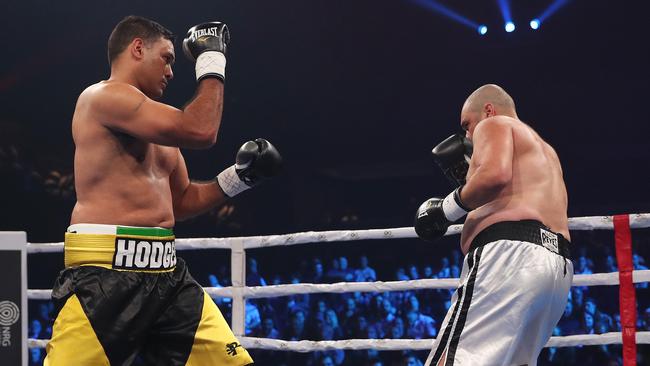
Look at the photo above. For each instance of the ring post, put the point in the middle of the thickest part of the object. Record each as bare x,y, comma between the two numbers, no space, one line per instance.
13,298
238,279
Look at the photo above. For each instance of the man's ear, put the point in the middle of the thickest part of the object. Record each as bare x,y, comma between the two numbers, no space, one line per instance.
489,110
137,48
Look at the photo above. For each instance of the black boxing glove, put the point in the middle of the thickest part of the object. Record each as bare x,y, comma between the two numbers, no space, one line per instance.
453,156
206,44
255,161
434,216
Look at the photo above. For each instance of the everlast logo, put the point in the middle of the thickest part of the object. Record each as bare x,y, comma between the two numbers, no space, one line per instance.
549,240
144,254
214,31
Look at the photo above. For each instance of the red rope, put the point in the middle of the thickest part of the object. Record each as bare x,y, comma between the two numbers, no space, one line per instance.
627,295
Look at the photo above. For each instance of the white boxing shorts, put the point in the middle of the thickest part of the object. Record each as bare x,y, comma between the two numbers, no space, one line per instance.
513,290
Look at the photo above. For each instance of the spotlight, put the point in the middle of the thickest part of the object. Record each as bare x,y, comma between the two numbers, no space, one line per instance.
482,29
534,23
510,26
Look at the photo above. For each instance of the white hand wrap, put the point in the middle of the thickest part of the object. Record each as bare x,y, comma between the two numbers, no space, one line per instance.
452,208
211,63
230,183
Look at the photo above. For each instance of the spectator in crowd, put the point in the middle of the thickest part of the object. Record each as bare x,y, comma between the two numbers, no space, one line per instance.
411,360
317,275
349,317
268,330
599,317
396,332
610,264
365,273
638,262
617,322
413,272
570,323
334,273
297,302
577,296
400,275
332,357
388,316
645,319
297,331
427,272
36,356
319,311
253,277
346,272
454,271
35,329
419,326
557,355
362,300
327,361
587,326
45,309
582,266
253,320
332,324
360,328
214,282
456,258
445,270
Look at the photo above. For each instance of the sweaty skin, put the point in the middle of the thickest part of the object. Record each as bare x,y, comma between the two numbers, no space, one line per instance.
513,175
128,167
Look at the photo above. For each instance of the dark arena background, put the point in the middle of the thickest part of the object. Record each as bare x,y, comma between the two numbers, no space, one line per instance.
354,94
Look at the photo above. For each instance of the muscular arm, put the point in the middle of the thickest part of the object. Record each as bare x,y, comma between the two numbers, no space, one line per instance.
124,108
192,198
492,161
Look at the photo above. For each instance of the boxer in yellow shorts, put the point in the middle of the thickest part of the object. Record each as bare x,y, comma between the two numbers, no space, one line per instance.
123,292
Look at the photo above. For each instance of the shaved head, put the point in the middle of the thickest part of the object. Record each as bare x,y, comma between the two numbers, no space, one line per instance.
492,94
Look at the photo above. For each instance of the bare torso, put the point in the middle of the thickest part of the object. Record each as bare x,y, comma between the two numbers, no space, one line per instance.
119,179
536,191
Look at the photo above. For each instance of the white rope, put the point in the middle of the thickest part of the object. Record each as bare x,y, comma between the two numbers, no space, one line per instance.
401,344
596,279
421,344
637,221
240,292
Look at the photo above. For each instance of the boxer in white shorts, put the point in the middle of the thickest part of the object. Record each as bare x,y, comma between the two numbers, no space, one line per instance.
517,273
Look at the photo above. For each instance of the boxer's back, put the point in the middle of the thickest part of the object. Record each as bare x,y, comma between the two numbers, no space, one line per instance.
536,190
118,178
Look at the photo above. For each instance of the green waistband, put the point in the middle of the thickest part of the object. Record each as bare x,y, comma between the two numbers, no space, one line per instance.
120,230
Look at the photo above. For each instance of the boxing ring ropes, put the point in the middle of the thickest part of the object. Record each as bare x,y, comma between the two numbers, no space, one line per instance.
626,277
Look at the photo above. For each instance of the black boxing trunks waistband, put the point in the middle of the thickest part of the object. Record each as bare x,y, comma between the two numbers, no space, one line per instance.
531,231
125,248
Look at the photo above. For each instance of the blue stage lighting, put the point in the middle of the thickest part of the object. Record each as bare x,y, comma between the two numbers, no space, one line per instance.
557,4
504,6
510,26
482,29
534,23
439,8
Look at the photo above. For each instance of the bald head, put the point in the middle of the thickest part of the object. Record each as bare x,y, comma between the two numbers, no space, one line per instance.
494,95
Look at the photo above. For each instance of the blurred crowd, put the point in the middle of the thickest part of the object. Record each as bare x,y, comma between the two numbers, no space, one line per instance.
390,315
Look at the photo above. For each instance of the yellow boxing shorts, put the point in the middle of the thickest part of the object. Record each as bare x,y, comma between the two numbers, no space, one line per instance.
124,294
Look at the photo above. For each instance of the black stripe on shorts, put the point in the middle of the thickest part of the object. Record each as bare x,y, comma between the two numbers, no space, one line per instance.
462,318
452,320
